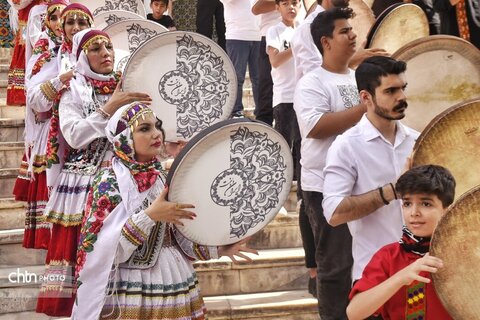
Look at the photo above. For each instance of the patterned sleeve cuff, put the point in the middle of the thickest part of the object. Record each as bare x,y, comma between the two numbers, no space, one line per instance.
137,228
48,90
57,84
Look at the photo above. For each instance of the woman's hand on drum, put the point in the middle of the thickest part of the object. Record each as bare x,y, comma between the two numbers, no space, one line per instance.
120,98
237,250
162,210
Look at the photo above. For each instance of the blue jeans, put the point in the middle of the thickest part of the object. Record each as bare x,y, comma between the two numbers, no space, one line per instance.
242,53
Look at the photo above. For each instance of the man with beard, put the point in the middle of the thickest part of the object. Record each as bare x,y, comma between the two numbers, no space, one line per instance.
327,103
364,162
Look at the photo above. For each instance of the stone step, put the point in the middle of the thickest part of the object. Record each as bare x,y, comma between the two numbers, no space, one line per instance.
19,303
4,71
12,214
12,254
284,305
11,154
3,88
7,181
12,112
11,130
30,316
271,270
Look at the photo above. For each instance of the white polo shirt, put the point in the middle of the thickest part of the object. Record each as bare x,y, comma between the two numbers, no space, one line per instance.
361,160
240,22
319,92
266,20
305,53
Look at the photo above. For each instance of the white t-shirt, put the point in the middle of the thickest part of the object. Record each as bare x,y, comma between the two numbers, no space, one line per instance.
279,37
358,161
319,92
240,22
266,20
305,52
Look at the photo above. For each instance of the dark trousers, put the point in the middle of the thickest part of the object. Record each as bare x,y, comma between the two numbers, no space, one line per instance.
263,111
333,254
206,10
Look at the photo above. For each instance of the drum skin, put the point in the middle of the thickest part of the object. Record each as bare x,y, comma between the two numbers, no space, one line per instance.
363,20
398,25
452,140
96,7
441,72
456,241
106,19
237,174
190,78
128,35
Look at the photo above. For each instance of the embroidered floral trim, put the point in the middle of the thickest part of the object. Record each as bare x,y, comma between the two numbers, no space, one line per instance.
41,46
101,200
105,87
45,57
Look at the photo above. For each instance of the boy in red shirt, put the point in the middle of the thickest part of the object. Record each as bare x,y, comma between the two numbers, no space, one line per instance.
396,283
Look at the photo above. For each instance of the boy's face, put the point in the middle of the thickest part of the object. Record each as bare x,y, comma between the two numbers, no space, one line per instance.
343,40
422,212
158,9
288,9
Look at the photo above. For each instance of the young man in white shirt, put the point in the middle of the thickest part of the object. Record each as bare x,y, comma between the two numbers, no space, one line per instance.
268,16
305,52
243,46
327,103
364,162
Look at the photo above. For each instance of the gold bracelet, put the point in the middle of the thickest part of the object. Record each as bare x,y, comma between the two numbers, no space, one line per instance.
48,90
103,113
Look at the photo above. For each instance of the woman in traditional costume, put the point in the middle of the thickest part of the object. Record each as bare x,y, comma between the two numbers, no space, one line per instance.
84,110
16,73
132,262
43,85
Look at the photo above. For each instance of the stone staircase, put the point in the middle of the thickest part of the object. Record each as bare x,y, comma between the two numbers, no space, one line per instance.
273,286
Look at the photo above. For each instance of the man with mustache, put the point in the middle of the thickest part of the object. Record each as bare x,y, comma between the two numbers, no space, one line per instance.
365,161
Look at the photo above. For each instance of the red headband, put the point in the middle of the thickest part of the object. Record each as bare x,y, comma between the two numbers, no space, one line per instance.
89,35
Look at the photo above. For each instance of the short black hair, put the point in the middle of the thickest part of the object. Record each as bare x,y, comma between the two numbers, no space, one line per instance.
370,71
428,179
164,1
324,24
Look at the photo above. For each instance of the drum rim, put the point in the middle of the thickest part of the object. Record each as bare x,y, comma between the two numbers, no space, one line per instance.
433,243
439,117
136,20
373,30
435,38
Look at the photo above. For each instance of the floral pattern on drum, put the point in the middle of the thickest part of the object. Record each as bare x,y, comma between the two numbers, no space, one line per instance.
250,187
112,18
198,87
136,36
127,5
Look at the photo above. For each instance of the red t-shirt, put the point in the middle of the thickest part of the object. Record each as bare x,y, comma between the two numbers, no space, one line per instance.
386,262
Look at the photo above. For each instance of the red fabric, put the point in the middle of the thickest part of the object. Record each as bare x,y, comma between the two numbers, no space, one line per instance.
20,189
37,231
62,248
385,263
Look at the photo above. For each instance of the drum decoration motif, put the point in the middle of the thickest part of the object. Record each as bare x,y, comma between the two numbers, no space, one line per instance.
113,18
127,5
250,187
198,87
136,36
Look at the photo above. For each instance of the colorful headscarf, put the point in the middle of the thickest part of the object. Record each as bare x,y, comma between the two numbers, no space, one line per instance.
116,194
